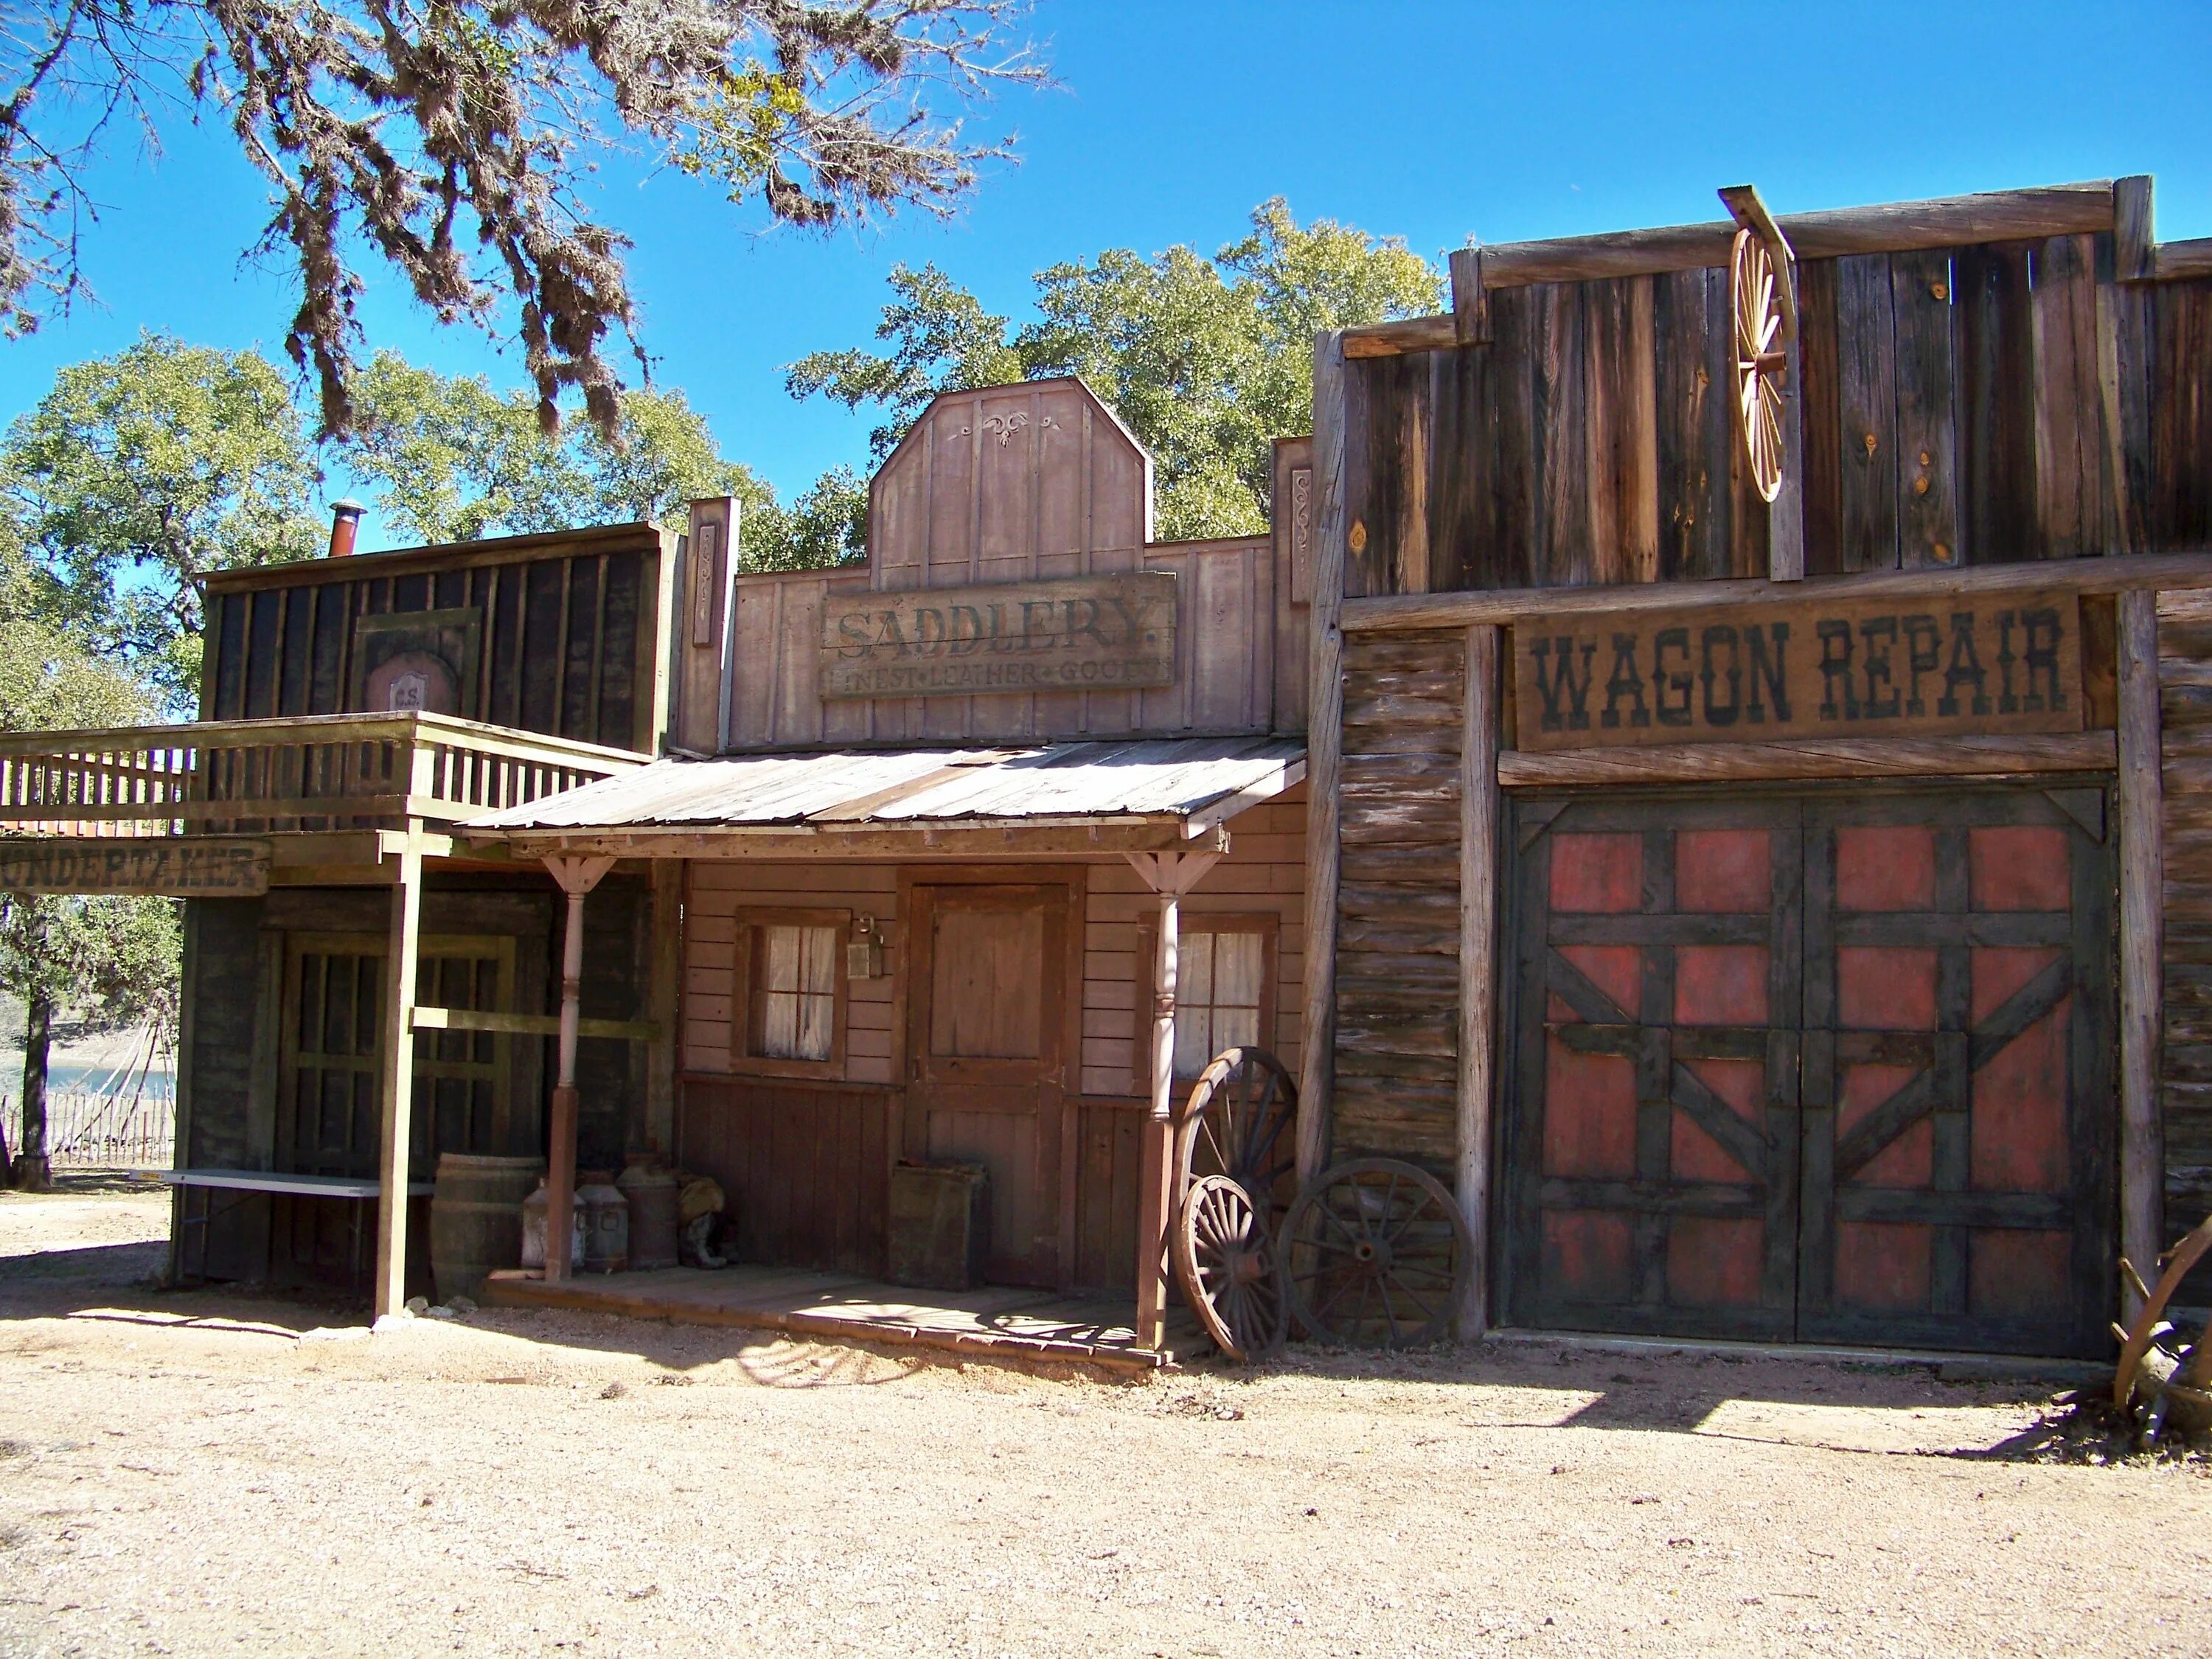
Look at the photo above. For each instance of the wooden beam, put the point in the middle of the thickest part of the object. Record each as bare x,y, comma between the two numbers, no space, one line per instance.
438,559
472,1019
2142,935
1810,757
1399,612
396,1083
576,876
663,994
1324,757
1478,958
1470,300
1889,228
1086,839
2133,257
2174,262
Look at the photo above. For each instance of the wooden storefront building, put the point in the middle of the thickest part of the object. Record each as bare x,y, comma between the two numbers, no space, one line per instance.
1780,920
934,816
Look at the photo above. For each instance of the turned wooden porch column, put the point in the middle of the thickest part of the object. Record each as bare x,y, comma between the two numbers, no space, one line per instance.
576,876
1170,875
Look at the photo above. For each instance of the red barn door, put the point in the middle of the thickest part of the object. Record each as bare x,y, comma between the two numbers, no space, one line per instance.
1834,1067
1655,1172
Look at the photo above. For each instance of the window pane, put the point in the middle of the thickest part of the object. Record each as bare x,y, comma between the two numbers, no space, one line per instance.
1237,971
1193,1038
818,974
780,958
1195,969
1236,1028
780,1025
817,1015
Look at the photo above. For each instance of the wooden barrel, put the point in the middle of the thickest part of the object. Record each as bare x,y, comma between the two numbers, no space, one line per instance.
476,1218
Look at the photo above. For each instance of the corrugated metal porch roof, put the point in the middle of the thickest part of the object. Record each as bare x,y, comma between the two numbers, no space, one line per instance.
1199,781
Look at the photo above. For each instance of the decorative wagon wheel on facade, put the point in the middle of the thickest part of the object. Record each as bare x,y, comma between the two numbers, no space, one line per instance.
1765,313
1376,1254
1226,1261
1240,1120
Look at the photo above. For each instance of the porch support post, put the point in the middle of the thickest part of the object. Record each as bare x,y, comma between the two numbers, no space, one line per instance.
576,876
396,1084
1478,960
1169,875
2143,939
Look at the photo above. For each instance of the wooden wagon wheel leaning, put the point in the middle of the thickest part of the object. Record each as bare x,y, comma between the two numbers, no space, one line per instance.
1240,1120
1235,1159
1227,1263
2160,1380
1376,1254
1765,322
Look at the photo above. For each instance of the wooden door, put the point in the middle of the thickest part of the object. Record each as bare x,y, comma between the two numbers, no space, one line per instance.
1958,1086
1653,1140
1834,1067
987,1056
328,1118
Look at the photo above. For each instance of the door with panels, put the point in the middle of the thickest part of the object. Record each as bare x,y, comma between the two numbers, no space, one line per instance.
1834,1067
1959,1099
1653,1127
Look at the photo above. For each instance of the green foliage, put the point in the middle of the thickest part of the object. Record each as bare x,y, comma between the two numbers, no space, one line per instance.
138,473
1207,360
112,960
453,461
827,525
941,340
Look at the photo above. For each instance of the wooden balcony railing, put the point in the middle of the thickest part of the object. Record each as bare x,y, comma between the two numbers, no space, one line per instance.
313,772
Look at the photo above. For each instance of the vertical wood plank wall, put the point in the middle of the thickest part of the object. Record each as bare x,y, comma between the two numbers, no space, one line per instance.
807,1164
569,644
1992,402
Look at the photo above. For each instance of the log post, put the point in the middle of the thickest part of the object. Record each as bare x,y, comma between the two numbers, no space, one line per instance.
1324,757
1478,959
395,1079
576,876
2143,937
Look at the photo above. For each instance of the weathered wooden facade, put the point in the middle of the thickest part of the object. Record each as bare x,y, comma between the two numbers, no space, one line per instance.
947,822
1758,910
342,952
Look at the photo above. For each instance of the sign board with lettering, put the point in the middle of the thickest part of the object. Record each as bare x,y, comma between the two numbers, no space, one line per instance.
1985,664
1080,634
182,868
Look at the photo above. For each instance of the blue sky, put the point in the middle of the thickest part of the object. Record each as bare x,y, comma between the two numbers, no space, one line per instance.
1431,122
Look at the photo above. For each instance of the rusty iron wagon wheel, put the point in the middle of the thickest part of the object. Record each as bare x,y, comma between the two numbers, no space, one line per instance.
1240,1120
1762,357
1376,1254
1226,1259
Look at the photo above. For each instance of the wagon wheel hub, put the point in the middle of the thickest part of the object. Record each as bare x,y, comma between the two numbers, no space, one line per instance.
1247,1267
1373,1255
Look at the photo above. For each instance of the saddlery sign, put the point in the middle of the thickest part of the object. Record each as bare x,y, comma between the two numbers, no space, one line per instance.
1081,634
1994,664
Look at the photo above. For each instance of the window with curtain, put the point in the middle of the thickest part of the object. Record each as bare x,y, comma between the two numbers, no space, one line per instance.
1222,990
797,1001
790,1016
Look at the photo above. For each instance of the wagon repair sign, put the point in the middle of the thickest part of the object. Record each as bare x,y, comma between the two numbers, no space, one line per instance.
1081,634
1987,664
181,868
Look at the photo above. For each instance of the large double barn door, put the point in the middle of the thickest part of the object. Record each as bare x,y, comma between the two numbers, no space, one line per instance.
1832,1067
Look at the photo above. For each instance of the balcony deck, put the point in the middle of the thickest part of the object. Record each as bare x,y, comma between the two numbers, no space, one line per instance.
304,774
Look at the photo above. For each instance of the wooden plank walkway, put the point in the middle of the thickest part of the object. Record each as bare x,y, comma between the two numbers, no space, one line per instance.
992,1322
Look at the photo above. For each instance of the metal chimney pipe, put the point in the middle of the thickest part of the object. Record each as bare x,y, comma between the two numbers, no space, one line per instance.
345,525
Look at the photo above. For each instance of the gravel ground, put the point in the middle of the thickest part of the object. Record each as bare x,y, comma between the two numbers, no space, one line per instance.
211,1472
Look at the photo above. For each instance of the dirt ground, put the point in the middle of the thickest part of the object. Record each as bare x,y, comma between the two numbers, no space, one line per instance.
212,1472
